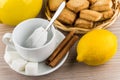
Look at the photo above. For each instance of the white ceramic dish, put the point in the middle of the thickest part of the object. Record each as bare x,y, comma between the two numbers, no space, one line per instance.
43,68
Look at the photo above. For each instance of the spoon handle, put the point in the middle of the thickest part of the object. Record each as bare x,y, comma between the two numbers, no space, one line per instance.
57,13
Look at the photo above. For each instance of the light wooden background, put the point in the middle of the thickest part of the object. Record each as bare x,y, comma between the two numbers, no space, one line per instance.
71,70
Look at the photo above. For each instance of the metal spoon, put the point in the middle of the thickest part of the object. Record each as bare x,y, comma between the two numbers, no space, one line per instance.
39,36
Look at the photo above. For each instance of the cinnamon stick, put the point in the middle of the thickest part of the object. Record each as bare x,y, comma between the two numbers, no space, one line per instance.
60,46
63,52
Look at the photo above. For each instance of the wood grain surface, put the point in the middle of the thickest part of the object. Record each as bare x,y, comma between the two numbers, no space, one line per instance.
70,70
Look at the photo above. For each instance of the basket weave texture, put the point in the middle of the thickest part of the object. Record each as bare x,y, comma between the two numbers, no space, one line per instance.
98,25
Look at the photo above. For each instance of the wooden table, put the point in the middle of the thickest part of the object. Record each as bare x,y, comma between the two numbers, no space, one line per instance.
70,70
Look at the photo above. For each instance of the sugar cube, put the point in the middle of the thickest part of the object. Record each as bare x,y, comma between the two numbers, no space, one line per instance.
12,55
31,68
19,64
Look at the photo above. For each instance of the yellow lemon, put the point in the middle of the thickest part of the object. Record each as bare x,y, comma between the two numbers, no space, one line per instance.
96,47
13,12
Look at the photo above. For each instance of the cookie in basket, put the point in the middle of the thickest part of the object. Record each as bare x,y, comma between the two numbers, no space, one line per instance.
82,23
102,5
90,15
54,4
77,5
67,16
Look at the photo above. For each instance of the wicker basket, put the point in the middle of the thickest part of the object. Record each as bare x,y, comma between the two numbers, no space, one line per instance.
97,25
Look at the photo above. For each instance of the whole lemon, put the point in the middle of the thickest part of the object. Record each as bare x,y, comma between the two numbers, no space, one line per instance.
13,12
96,47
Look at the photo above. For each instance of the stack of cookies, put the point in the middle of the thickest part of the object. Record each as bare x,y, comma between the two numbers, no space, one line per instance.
84,14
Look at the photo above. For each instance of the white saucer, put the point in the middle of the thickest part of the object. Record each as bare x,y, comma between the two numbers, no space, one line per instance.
43,68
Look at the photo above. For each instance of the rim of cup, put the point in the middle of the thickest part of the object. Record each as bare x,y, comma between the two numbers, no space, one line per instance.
37,47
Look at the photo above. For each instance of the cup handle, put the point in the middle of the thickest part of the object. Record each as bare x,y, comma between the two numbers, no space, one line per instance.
7,39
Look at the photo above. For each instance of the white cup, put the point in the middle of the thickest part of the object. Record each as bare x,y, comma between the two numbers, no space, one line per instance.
22,31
